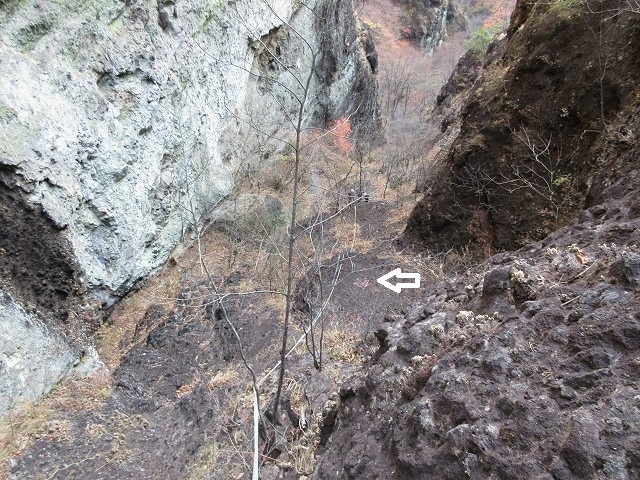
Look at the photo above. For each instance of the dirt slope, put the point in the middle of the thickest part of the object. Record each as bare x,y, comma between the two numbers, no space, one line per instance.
174,401
547,116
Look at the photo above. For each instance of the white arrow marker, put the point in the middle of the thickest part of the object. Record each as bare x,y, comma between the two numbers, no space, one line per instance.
399,286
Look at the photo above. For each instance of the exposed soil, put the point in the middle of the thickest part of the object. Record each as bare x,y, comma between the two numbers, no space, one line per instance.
540,122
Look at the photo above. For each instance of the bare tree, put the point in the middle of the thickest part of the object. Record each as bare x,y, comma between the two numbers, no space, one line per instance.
473,179
538,171
535,170
600,6
286,81
298,140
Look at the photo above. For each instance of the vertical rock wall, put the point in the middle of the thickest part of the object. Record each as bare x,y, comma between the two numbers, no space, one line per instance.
31,356
431,20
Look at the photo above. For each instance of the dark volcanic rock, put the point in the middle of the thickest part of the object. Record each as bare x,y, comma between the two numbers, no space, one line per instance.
35,259
627,270
496,281
545,387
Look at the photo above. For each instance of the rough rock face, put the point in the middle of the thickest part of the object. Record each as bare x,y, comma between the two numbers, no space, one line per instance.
112,113
540,124
120,126
31,357
431,20
524,367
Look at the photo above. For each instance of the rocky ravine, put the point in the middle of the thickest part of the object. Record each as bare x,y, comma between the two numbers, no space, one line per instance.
122,124
525,366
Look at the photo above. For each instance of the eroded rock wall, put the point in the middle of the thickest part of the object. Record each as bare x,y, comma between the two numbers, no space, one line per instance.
120,123
112,114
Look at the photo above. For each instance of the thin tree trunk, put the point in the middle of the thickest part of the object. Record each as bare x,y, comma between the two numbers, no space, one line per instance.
292,240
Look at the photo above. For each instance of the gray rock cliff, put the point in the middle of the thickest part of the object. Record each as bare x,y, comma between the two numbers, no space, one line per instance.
122,123
430,21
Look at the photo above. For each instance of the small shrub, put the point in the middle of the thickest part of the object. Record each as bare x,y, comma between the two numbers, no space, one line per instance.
481,39
561,180
273,219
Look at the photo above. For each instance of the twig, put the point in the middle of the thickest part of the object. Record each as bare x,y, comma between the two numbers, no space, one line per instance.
583,272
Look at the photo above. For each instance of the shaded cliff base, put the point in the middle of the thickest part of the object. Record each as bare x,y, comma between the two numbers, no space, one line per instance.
44,319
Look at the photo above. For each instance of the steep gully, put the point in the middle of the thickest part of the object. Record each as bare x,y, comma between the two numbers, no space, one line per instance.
99,184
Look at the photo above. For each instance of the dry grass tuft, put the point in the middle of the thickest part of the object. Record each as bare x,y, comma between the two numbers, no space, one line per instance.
206,459
188,388
28,423
343,344
349,236
224,378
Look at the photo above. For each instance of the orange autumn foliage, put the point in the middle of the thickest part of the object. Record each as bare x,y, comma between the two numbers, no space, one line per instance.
340,131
